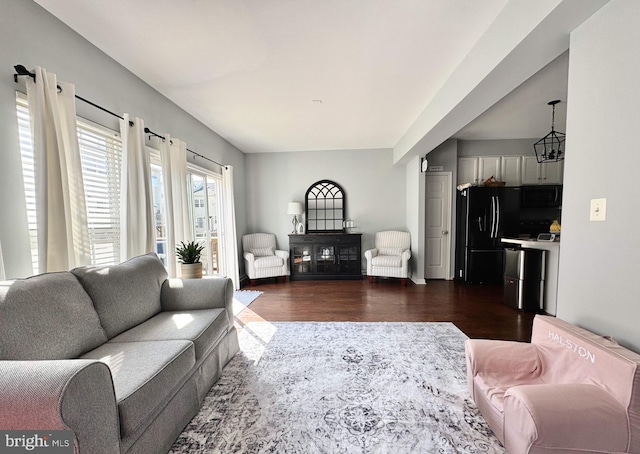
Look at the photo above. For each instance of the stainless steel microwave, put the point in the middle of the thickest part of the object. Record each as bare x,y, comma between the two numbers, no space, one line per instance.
541,196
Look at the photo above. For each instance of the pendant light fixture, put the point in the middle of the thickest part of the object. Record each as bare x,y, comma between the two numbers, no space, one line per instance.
551,147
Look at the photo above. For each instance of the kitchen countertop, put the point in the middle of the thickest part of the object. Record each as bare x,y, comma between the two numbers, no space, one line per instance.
533,243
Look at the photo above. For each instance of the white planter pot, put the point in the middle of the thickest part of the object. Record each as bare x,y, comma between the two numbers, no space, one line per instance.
191,270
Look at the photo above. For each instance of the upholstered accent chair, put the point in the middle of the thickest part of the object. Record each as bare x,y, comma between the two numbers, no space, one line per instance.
390,256
262,259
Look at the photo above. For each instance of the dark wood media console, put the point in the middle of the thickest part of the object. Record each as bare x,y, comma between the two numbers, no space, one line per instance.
325,256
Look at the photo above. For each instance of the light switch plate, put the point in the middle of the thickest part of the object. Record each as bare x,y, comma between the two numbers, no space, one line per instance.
598,210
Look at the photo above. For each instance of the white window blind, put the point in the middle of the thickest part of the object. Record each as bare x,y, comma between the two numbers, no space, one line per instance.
101,154
26,152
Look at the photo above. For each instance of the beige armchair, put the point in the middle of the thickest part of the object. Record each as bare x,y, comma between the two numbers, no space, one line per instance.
390,257
262,259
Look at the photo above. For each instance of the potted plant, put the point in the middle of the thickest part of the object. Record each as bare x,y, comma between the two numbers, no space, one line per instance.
189,255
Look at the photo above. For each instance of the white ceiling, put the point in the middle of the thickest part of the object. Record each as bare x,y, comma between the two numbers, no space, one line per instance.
252,69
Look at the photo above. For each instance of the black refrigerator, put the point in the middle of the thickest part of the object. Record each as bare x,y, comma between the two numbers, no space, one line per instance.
484,215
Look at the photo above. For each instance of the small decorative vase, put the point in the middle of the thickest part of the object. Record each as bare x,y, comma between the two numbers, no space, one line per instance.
191,270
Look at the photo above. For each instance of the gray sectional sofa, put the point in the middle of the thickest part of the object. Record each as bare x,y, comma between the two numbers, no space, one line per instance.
121,355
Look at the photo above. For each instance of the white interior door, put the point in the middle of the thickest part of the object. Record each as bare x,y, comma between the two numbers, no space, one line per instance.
438,225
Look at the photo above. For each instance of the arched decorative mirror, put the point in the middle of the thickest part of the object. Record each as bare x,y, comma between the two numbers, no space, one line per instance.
325,206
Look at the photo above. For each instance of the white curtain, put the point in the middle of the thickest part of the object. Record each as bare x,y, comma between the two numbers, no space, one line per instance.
3,274
63,234
173,156
229,229
137,229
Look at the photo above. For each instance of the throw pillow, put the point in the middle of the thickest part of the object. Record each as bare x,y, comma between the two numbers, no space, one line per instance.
262,251
391,251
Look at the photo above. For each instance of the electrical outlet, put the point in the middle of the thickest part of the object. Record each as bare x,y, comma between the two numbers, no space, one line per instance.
598,210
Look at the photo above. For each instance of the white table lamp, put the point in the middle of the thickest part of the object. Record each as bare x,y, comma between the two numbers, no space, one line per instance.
294,209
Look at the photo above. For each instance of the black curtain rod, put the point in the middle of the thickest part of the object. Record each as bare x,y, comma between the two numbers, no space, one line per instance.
150,132
22,71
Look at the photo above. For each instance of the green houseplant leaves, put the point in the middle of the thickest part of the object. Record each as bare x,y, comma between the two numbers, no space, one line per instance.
189,252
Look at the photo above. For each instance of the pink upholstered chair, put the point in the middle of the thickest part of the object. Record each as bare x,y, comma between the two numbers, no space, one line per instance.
568,391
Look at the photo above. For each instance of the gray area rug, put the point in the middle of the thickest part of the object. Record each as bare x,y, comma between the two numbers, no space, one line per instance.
342,388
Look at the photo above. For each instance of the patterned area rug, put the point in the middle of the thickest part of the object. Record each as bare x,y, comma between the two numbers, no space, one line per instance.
342,388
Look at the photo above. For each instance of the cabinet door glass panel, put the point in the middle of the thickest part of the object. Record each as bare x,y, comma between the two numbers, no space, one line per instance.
325,259
301,259
348,259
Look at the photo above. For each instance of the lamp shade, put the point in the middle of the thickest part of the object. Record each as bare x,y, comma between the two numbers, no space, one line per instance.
294,208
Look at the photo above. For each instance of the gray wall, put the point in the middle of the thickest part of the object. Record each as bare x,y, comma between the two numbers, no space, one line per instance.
506,147
32,37
416,209
374,187
599,283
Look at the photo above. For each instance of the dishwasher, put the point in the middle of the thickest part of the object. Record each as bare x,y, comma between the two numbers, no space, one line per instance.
524,271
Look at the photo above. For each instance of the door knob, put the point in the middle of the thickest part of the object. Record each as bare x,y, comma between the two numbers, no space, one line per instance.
445,232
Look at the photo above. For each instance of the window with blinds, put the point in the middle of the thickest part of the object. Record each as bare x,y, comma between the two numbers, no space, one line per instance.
101,153
26,153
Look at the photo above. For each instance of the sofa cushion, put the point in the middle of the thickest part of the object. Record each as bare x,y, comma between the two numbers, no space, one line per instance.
48,316
203,327
391,251
494,387
554,418
268,261
144,374
387,261
124,295
262,251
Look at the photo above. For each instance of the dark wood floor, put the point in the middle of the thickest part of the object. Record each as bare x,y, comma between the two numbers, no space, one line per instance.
477,310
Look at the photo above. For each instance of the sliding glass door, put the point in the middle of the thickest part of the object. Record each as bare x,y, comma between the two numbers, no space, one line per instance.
206,203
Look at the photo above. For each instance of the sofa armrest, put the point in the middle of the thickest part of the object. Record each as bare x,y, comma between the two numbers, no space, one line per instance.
563,417
406,254
370,253
72,394
283,254
515,360
497,357
193,294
